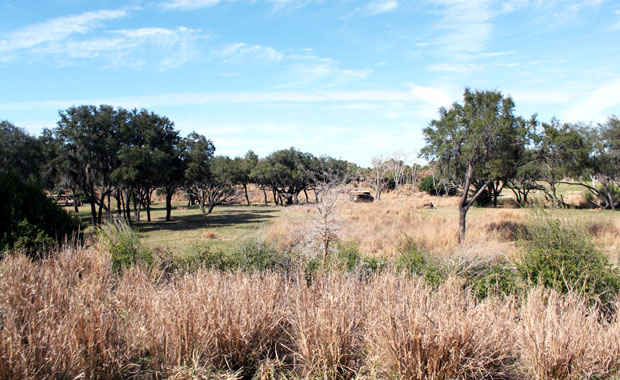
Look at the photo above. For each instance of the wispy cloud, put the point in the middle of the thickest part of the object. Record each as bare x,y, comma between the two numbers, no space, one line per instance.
596,105
188,5
454,67
239,50
168,48
465,26
416,94
56,29
376,7
185,5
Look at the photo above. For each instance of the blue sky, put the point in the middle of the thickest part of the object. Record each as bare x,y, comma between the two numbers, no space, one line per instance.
352,79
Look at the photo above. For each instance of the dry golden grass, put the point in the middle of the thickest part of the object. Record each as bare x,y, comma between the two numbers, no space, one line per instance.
415,333
73,317
380,227
562,338
326,326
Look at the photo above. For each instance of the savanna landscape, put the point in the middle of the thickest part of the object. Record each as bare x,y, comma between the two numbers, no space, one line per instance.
293,266
309,190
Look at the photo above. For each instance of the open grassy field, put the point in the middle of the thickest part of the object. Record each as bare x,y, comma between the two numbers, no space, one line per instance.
446,312
190,230
378,228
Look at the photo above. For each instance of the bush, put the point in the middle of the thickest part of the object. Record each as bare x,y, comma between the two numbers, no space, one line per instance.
432,187
415,259
123,244
348,258
490,278
560,255
29,220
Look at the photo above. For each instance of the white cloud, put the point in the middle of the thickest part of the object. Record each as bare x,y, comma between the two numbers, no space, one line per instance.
434,96
57,29
537,97
189,4
416,94
242,51
167,48
376,7
465,26
455,67
597,105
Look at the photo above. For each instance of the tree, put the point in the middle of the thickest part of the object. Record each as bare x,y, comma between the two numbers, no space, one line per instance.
29,220
564,152
89,144
219,188
288,172
243,167
397,165
599,170
20,152
467,141
380,169
148,159
197,154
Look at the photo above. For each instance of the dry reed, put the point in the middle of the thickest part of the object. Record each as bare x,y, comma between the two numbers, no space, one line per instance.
72,316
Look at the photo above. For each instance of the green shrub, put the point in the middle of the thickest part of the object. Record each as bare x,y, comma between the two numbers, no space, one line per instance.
348,258
415,259
123,244
250,256
432,187
559,254
490,277
29,220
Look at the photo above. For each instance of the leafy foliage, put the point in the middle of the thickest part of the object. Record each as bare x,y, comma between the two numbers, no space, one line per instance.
123,245
29,220
415,259
559,254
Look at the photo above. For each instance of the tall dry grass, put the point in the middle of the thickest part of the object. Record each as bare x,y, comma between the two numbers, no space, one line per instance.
379,227
416,333
74,317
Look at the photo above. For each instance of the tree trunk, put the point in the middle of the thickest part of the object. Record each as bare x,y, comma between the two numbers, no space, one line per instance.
119,202
93,211
169,193
306,193
76,202
245,190
325,250
128,207
462,215
149,194
265,196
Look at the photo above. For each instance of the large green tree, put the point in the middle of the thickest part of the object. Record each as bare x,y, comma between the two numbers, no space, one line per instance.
470,143
20,152
197,154
89,144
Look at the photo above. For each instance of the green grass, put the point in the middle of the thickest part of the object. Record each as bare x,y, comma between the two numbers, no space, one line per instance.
190,230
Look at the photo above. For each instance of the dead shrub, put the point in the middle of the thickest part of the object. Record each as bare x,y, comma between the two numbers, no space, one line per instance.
507,229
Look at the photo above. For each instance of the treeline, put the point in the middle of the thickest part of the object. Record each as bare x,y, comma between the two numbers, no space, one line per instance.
117,158
480,147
